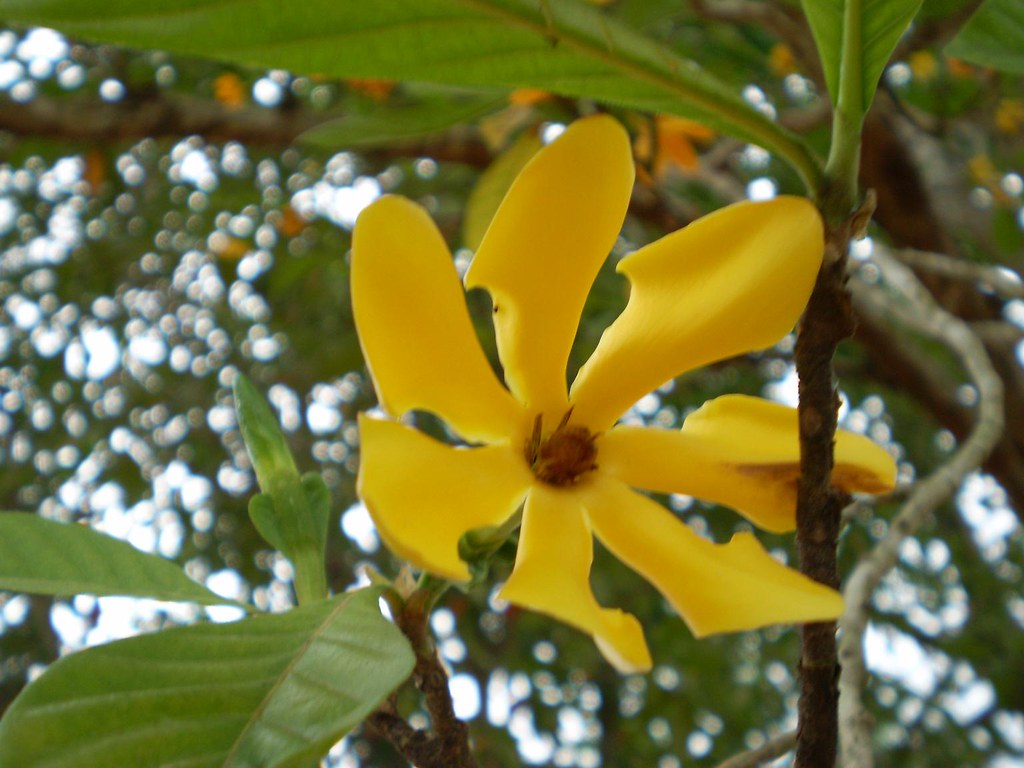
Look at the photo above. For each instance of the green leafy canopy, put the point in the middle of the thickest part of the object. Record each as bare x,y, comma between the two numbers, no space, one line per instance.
570,48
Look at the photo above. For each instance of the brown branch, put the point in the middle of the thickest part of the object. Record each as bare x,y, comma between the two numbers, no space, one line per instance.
937,30
156,114
446,745
168,115
827,321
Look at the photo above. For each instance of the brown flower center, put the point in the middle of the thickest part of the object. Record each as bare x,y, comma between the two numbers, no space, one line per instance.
564,455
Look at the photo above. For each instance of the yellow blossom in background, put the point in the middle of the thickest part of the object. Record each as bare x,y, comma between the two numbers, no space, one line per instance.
732,282
229,90
781,60
982,170
923,65
1009,115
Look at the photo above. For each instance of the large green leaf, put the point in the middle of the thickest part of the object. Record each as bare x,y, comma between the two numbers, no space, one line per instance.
855,39
994,37
567,47
269,691
48,558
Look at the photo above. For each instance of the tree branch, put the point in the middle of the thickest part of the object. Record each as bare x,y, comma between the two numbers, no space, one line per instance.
770,750
168,115
915,307
1001,280
153,114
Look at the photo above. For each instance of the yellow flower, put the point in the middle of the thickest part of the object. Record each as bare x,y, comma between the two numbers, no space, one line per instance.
1009,116
923,65
781,60
729,283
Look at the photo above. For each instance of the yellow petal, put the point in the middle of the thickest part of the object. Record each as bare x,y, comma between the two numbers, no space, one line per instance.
743,452
552,575
415,331
731,282
714,587
543,250
423,495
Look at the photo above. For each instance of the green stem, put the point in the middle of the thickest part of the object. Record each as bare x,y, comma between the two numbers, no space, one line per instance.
839,193
310,580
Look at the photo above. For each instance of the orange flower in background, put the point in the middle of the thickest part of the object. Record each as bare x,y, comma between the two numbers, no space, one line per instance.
527,97
671,147
376,89
734,281
229,90
291,223
959,68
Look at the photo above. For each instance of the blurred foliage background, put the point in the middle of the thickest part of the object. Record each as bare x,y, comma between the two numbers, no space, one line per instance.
166,222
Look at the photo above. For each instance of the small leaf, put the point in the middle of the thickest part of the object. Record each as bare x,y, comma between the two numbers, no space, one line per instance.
994,37
871,27
318,500
271,691
492,185
44,557
293,517
395,123
263,516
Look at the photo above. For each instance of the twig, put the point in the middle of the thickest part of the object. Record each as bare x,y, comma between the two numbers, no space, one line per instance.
1001,280
447,745
770,750
915,307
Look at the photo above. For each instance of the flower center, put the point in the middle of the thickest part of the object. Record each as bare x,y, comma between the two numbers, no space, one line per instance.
564,455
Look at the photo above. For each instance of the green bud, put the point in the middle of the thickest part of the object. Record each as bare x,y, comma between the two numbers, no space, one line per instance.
263,437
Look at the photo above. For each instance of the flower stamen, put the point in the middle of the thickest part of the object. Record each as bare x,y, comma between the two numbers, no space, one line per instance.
563,456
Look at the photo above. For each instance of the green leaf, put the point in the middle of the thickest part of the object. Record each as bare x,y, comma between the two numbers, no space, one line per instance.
994,37
44,557
569,48
395,123
492,185
855,39
270,691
